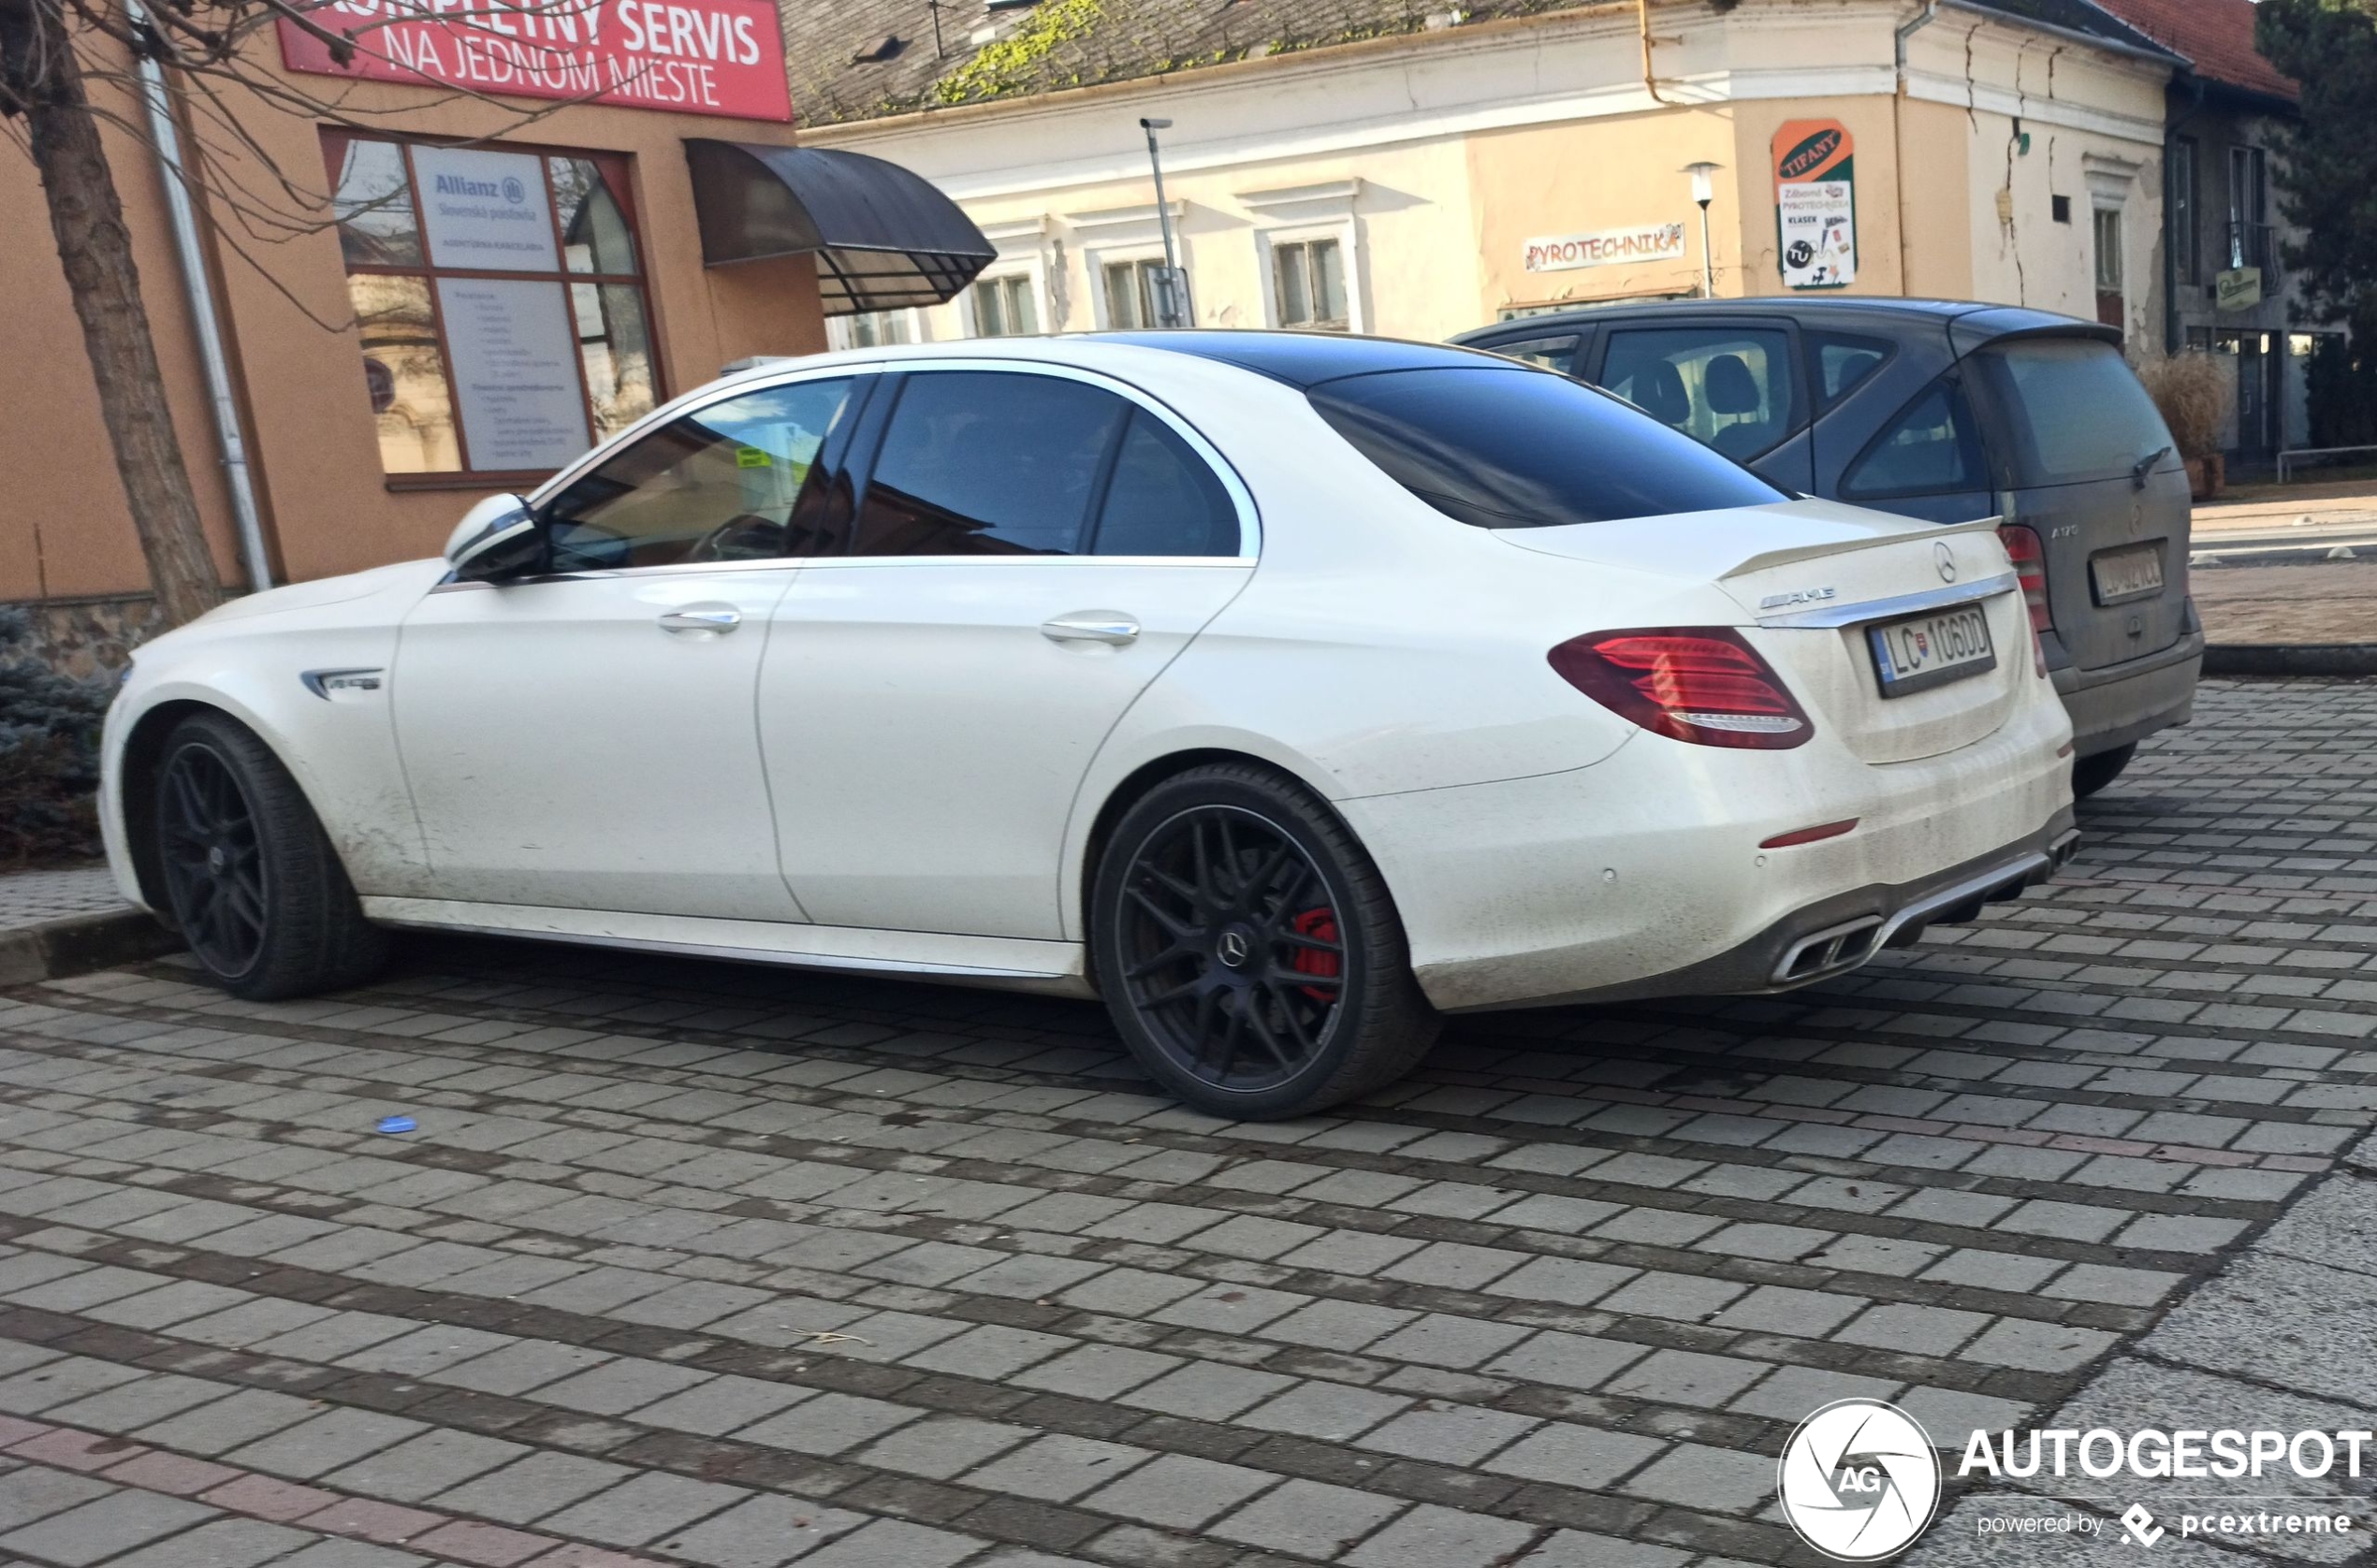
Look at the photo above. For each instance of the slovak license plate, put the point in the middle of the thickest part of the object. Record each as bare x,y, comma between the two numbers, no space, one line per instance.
1923,651
2134,572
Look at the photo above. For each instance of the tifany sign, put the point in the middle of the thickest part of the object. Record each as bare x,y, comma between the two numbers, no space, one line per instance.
1816,203
722,57
1559,253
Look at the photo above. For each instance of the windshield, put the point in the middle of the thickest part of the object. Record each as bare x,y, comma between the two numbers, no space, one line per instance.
2075,408
1505,447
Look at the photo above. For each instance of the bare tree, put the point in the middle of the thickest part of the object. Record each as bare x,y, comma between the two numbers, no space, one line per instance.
52,54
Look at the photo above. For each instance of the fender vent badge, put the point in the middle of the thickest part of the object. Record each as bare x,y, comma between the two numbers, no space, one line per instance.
322,683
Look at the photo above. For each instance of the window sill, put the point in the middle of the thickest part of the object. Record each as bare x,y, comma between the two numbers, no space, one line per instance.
490,484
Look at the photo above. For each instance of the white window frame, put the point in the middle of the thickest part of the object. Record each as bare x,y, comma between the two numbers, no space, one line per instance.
1132,234
1023,252
840,334
1116,255
968,317
1296,214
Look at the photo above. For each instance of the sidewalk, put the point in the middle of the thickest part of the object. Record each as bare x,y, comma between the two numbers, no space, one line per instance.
2271,507
68,923
33,897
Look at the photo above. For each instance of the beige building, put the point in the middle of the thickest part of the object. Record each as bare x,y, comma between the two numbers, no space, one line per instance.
1452,167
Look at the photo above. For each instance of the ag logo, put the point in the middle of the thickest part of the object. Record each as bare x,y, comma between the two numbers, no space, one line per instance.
1858,1480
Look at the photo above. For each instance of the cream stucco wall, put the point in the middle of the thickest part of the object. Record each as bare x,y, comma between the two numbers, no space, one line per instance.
1435,158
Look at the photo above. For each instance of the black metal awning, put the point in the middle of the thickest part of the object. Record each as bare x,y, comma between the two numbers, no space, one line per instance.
883,237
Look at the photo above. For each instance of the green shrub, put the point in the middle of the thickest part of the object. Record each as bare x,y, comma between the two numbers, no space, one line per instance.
49,752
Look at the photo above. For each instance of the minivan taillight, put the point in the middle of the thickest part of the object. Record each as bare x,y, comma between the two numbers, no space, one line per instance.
2030,565
1701,684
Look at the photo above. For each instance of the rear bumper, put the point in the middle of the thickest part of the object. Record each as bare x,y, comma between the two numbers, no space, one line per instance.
1837,935
1648,873
2116,705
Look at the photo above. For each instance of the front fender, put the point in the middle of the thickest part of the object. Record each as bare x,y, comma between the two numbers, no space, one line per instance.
338,741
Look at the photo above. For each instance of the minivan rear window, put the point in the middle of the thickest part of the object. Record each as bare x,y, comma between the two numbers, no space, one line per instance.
1498,447
2075,408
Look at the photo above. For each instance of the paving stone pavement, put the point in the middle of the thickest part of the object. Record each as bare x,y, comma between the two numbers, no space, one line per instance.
31,897
695,1264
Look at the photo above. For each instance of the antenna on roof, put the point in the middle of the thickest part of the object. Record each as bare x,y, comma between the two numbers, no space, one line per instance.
939,51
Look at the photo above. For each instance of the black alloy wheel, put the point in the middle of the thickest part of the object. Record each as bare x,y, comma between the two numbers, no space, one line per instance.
215,870
1248,948
1232,946
249,878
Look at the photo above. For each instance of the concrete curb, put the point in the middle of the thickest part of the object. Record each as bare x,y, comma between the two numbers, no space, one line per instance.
2290,659
80,944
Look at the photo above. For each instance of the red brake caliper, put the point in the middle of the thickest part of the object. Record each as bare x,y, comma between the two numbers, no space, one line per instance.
1321,924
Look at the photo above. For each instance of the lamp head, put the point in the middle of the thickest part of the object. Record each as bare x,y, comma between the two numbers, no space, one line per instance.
1148,124
1703,181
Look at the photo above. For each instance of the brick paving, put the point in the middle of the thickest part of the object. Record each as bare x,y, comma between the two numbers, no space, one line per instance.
694,1264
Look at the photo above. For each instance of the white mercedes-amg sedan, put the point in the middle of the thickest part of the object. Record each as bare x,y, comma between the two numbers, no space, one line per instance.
1286,691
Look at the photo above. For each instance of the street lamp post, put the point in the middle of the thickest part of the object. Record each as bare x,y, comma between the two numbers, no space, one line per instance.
1171,300
1704,191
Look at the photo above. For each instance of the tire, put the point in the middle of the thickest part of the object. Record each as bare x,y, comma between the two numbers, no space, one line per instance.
2094,772
1249,949
251,879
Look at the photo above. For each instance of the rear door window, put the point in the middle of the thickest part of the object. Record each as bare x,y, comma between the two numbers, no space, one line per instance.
2073,409
977,462
1726,387
1932,448
1517,448
1553,353
1841,362
1162,499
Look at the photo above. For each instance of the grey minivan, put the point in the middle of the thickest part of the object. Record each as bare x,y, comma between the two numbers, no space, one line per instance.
1945,412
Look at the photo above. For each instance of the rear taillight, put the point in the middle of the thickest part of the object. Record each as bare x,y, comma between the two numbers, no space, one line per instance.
1701,684
2030,565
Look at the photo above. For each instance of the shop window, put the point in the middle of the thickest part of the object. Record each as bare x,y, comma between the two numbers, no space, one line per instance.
500,301
1003,307
1308,285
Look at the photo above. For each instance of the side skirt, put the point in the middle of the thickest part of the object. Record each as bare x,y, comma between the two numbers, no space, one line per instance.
1001,963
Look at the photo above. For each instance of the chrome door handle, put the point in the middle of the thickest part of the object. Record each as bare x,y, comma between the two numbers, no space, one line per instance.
1111,626
717,618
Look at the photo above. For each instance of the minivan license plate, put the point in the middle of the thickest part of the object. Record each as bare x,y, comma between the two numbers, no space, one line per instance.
2132,573
1923,651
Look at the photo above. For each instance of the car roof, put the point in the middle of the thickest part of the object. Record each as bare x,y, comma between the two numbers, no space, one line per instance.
1872,313
1306,360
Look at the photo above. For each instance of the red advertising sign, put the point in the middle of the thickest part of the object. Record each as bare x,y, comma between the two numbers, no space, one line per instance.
723,57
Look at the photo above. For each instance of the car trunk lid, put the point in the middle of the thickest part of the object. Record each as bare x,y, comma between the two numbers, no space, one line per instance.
2090,468
1813,579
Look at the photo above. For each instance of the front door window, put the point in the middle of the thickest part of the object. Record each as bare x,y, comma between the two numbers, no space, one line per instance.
721,483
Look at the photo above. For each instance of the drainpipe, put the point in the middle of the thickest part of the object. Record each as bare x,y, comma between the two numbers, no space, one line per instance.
198,289
1930,14
2173,337
1650,82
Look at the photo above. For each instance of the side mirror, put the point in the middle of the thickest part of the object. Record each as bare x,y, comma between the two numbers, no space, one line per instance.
494,537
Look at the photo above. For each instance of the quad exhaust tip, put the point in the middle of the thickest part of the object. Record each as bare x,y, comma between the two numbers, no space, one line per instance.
1838,949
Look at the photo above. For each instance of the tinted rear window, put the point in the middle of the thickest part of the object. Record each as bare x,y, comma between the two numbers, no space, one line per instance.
2075,408
1513,448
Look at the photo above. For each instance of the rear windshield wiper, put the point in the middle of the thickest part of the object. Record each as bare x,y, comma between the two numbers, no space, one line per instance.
2146,466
